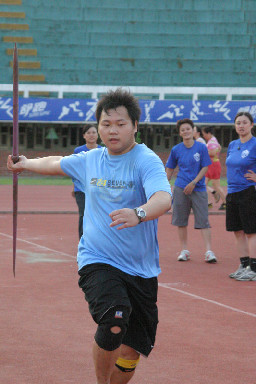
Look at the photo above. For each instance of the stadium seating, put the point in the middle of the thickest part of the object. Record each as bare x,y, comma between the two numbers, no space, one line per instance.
130,42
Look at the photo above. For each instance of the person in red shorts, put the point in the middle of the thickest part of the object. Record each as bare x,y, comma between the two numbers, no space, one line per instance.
214,170
197,133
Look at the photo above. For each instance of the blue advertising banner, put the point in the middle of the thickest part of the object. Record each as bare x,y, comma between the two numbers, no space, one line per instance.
153,111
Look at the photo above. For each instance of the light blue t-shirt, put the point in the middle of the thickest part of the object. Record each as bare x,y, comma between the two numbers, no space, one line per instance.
78,150
241,157
190,161
115,182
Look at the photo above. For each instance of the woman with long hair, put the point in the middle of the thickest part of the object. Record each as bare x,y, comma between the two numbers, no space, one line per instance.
241,197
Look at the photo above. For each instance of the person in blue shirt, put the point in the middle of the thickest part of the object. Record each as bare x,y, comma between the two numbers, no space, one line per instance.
90,135
189,189
241,198
126,191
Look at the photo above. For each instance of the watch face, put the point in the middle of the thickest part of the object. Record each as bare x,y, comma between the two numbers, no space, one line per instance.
141,213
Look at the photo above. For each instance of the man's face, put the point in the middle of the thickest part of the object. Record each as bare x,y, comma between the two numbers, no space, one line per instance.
186,131
117,131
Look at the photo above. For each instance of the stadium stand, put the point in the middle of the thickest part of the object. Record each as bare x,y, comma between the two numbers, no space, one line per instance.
179,49
135,42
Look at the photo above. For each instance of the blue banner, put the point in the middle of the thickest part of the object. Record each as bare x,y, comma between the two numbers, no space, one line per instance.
153,111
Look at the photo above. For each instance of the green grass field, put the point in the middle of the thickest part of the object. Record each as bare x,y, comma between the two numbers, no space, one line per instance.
56,180
43,180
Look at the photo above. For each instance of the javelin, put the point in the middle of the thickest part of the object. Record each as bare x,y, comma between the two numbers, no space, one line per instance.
15,151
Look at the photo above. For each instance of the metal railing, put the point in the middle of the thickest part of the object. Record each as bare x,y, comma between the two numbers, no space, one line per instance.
160,92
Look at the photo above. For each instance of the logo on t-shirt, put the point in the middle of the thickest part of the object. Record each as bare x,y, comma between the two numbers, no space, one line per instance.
197,156
113,184
245,153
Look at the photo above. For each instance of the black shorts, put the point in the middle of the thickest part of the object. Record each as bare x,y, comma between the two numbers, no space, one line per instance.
241,211
105,286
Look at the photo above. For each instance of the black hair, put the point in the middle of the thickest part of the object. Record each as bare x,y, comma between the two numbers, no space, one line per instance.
243,113
208,130
199,130
87,127
184,121
119,98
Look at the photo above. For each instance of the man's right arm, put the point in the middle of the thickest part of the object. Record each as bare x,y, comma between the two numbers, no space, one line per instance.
45,165
169,173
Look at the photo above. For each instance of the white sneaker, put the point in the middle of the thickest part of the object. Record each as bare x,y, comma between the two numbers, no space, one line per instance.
184,255
210,257
248,275
238,272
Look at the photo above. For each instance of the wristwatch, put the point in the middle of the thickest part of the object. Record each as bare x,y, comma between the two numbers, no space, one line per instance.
140,213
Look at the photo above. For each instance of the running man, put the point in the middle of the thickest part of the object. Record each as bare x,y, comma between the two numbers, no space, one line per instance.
118,258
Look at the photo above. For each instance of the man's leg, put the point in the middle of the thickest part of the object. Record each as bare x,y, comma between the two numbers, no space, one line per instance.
106,292
183,237
104,362
108,340
252,245
241,243
206,233
120,376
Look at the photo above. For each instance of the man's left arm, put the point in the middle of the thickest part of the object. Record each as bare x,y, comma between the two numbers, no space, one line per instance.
159,203
156,206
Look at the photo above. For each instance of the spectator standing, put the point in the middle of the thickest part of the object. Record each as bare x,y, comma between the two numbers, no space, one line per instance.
197,133
90,135
198,137
241,197
190,190
214,169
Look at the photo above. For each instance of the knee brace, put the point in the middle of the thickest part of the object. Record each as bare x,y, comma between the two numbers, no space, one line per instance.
117,316
127,365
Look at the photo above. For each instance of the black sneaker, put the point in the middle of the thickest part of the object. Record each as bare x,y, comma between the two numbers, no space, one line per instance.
222,207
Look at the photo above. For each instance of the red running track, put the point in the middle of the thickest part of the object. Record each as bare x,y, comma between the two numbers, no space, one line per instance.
207,323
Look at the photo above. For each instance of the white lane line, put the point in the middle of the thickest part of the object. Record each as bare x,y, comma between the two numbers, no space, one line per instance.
166,285
39,246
